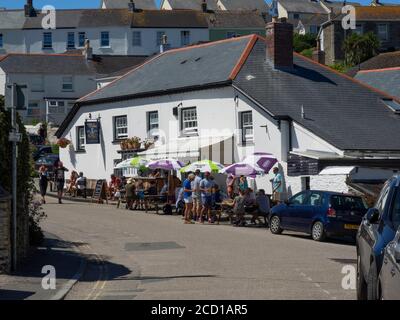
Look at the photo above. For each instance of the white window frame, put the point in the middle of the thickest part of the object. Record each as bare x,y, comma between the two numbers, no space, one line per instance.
189,120
185,38
107,44
67,84
385,36
153,124
71,44
45,43
56,107
245,124
80,34
137,38
80,138
120,127
159,37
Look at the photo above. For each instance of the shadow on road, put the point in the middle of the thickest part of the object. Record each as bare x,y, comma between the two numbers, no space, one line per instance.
339,241
66,260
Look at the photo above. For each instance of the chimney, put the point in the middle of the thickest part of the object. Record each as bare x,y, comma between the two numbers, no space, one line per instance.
280,44
28,8
88,50
204,6
132,6
318,55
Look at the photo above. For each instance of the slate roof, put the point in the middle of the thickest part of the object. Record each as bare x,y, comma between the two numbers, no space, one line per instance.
381,61
169,19
302,6
11,19
139,4
387,80
236,19
338,109
74,64
200,63
384,13
192,4
259,5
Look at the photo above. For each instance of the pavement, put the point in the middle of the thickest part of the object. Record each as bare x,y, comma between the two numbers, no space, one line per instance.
26,283
134,255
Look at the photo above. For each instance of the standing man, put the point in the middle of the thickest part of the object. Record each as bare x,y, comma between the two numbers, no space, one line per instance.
277,186
196,196
59,176
206,186
81,185
188,197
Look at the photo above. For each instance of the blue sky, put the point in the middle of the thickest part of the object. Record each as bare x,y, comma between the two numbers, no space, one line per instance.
12,4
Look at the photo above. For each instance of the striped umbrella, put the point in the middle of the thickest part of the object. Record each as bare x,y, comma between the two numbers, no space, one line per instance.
203,166
165,164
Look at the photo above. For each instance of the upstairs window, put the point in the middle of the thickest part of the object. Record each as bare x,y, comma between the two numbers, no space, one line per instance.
81,39
296,16
160,35
33,109
1,40
152,123
71,40
105,39
120,127
136,38
47,40
185,38
67,83
246,126
383,32
189,120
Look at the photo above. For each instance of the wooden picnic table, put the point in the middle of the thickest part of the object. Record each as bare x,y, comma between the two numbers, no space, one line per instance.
155,200
225,206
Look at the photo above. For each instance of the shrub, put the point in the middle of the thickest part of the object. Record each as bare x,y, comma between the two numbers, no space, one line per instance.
303,42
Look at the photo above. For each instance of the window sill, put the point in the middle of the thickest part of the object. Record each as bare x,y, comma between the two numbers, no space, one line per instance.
80,151
246,144
105,47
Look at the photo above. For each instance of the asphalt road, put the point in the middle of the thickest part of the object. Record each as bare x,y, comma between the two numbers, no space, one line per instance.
134,255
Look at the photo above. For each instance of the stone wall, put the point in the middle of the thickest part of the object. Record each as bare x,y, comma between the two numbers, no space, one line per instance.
5,237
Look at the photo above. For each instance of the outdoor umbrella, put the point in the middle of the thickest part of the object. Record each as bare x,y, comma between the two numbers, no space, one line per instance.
138,162
165,164
261,160
203,166
124,164
242,169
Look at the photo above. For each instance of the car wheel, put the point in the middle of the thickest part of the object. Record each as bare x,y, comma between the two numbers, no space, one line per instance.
275,225
318,232
361,284
372,283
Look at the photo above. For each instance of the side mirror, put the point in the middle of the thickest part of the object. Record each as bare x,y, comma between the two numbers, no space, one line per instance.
372,215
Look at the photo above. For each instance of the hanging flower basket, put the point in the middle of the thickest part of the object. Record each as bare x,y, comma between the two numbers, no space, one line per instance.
63,143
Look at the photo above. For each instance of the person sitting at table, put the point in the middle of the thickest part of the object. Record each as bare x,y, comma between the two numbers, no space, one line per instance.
239,209
155,174
263,207
230,185
164,192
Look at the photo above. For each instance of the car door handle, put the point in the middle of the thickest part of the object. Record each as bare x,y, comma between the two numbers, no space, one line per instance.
393,272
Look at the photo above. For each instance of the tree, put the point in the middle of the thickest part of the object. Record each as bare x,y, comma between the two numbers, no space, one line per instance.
303,42
359,48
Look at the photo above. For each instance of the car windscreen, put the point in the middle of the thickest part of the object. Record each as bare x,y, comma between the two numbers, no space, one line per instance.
347,204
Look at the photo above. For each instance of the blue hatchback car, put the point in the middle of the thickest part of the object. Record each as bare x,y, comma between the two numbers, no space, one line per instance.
319,213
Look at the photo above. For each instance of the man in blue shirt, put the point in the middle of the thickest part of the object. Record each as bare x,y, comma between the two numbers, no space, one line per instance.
277,186
188,197
206,186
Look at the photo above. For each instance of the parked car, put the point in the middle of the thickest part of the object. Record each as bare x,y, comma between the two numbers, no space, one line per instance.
319,213
49,161
41,151
376,231
389,278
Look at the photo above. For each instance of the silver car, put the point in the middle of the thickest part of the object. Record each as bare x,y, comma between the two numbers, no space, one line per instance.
389,278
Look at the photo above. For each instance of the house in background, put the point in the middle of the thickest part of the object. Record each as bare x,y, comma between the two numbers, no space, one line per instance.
230,24
55,82
256,96
384,21
123,4
381,61
214,5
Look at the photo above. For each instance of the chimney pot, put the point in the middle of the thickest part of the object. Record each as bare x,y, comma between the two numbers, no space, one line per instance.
279,38
28,8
